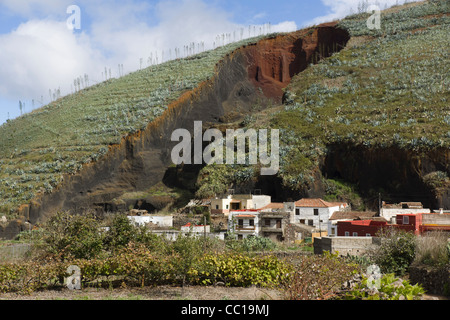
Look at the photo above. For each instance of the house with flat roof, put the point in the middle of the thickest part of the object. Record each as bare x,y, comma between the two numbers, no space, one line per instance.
389,211
224,205
338,216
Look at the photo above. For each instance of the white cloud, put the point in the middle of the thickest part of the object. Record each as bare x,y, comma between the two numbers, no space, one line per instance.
41,55
339,9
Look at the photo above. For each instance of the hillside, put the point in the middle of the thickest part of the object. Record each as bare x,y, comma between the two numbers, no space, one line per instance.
37,149
372,118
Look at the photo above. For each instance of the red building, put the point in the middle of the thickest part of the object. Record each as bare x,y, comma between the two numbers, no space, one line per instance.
359,228
409,222
418,223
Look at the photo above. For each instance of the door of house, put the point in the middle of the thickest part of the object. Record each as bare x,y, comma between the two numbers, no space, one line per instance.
278,223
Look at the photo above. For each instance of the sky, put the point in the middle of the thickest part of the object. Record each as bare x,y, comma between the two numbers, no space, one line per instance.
46,44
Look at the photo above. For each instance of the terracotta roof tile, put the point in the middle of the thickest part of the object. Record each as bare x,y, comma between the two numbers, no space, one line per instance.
273,205
317,203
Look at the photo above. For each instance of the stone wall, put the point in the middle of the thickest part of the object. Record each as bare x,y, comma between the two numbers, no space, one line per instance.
354,246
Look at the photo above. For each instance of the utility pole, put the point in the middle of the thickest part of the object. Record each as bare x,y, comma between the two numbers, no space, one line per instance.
379,204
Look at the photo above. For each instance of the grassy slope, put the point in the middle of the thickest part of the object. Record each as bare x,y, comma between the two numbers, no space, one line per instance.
37,148
388,87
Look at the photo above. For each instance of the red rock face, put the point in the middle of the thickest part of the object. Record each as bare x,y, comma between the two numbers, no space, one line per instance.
273,62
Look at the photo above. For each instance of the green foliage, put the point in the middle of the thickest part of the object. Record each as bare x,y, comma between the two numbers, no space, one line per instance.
391,288
122,232
239,270
30,276
436,179
257,244
338,190
69,236
396,252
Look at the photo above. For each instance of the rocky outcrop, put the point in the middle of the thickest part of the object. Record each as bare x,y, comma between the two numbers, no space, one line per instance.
398,174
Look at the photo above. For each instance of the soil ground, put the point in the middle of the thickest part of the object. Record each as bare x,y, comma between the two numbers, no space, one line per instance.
162,293
153,293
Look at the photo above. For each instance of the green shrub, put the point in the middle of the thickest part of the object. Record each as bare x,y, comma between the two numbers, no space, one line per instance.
73,236
239,270
390,288
258,244
396,252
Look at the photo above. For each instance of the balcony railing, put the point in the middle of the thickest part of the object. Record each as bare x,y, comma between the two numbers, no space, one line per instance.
244,227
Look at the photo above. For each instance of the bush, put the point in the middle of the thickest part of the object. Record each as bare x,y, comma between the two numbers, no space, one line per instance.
433,250
122,232
396,252
318,277
30,276
258,244
391,288
73,237
239,270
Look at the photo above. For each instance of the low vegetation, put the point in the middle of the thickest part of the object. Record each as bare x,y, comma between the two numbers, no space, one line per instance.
114,253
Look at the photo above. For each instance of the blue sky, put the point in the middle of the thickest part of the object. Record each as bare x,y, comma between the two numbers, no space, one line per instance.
40,54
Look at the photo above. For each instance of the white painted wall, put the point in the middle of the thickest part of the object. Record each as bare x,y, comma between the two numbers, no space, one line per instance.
388,214
162,221
307,214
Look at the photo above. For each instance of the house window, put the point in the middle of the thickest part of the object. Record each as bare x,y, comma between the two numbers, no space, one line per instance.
241,222
267,222
217,206
302,221
297,212
227,206
251,222
368,235
278,224
235,206
347,233
310,222
405,219
316,212
355,234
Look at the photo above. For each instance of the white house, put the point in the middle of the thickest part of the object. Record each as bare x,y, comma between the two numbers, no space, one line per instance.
316,212
390,211
244,223
160,221
238,202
